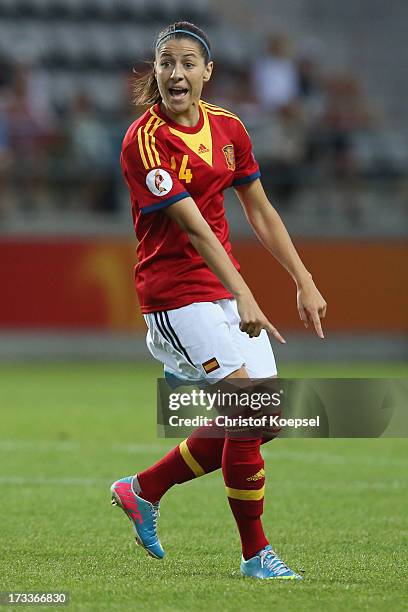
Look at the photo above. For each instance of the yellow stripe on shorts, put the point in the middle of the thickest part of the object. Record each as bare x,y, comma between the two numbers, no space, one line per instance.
194,466
246,494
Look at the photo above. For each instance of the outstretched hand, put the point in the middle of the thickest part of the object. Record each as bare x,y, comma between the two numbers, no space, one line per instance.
311,306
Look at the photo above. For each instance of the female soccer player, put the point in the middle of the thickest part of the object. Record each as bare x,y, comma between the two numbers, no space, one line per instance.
203,321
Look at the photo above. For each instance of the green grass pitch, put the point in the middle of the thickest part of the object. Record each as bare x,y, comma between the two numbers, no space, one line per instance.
334,508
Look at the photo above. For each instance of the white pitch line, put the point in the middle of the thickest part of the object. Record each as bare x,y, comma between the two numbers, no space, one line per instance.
70,446
324,457
36,446
274,487
38,481
360,485
272,451
142,448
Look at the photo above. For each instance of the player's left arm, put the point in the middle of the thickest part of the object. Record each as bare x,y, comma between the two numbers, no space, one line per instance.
272,233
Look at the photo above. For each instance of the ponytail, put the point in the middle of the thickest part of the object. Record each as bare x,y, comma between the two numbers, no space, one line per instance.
144,88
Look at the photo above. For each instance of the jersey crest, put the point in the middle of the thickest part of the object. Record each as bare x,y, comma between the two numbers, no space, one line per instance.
228,151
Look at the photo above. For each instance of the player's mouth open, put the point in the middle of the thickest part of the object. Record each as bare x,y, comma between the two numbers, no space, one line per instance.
178,93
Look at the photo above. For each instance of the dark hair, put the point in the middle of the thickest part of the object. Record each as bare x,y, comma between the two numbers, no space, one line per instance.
144,85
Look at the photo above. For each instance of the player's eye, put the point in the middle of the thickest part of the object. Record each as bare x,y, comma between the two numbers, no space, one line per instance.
165,64
189,65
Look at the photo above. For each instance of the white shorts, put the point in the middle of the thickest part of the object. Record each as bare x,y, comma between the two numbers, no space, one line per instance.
202,341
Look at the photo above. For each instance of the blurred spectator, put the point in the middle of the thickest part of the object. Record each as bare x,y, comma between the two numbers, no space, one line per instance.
24,126
89,141
345,112
310,82
26,134
5,160
275,75
91,150
281,144
6,72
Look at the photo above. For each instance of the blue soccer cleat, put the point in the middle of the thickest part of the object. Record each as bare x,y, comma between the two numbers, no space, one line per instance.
266,564
142,514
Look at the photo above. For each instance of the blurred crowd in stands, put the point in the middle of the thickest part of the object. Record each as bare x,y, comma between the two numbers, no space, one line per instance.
306,126
308,119
64,156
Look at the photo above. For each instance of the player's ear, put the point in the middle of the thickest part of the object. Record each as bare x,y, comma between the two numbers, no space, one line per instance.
208,71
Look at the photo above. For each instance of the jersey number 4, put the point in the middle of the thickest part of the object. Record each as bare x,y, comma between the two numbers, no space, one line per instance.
185,173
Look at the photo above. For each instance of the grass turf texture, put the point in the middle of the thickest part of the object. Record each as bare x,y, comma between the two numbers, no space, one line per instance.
333,507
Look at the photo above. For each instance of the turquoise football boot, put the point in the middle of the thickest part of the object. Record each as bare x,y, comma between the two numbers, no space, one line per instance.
142,514
266,564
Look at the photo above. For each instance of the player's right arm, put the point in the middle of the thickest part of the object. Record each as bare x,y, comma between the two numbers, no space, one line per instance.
187,215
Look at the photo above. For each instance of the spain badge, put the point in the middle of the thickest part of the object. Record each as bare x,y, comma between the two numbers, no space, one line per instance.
228,151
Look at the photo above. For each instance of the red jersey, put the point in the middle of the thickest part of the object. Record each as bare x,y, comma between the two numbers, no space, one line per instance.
164,162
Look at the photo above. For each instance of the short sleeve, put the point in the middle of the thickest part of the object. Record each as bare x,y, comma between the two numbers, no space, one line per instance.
246,166
149,176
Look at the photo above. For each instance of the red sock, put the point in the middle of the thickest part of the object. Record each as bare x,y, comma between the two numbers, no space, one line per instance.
244,477
168,471
198,455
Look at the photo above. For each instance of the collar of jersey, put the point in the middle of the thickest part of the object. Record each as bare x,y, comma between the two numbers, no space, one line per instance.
155,110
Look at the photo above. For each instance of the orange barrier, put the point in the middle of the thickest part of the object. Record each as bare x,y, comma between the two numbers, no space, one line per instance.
76,284
364,283
69,284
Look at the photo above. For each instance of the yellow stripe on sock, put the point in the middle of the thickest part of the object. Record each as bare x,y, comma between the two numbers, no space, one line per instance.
194,466
246,494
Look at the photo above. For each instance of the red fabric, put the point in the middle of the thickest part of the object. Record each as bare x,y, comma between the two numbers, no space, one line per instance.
247,516
206,446
170,273
158,478
242,459
172,469
207,451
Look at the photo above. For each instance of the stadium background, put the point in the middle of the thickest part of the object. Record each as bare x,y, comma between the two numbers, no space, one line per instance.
329,127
